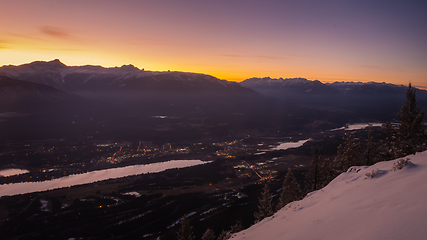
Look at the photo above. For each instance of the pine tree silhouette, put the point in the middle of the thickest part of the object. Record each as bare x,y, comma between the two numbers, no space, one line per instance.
291,190
208,235
390,149
411,132
186,232
320,172
346,155
265,207
370,148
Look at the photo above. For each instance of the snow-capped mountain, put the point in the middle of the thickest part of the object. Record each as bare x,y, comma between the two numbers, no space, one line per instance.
291,86
129,91
376,202
273,86
55,73
367,88
124,95
87,79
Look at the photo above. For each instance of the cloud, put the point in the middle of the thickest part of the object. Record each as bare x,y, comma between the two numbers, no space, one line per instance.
55,32
4,44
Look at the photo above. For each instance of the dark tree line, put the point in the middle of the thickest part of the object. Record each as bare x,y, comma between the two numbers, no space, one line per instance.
186,231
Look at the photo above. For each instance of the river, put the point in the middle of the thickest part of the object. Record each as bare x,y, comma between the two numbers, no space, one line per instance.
94,176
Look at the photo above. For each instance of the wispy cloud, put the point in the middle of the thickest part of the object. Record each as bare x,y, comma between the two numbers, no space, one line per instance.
3,44
55,32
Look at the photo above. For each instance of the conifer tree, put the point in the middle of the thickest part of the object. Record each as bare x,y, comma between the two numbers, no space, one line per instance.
411,132
291,190
208,235
312,177
224,235
228,234
237,227
390,146
371,151
265,207
327,174
340,161
320,172
346,155
186,232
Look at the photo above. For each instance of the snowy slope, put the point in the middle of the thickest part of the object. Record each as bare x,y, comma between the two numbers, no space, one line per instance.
391,205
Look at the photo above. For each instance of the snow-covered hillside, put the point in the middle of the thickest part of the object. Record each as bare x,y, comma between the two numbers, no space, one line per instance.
390,205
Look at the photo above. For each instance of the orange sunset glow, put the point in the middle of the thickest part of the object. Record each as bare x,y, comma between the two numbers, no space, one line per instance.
233,40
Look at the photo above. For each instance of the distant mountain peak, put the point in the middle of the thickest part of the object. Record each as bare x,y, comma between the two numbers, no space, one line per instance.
129,67
89,79
47,64
282,83
56,61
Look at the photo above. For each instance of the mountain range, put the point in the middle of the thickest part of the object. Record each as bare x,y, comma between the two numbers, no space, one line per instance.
89,79
125,95
342,94
98,82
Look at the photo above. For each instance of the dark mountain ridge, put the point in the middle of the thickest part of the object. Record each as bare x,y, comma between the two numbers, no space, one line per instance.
127,78
123,102
128,87
367,100
128,100
23,96
288,85
297,86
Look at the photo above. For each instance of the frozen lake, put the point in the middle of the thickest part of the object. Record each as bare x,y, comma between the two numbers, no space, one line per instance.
284,146
287,145
357,126
95,176
12,171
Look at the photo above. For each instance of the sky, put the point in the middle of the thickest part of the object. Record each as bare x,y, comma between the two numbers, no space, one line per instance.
329,40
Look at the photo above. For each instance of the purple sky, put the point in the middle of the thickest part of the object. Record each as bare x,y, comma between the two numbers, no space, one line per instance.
234,40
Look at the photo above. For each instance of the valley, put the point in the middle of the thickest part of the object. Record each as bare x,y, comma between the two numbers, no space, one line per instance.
145,206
